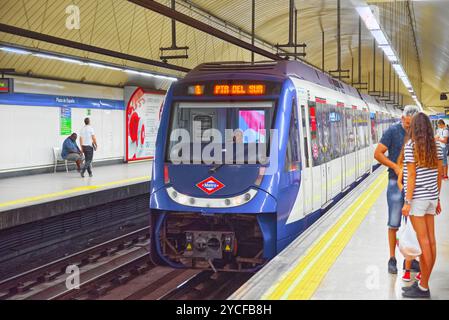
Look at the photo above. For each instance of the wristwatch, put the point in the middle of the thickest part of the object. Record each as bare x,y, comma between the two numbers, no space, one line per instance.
408,202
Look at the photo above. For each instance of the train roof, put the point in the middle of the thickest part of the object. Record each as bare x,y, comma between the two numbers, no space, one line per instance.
274,69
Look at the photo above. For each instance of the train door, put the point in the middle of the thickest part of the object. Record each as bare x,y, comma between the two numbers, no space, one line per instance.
350,158
355,123
291,177
344,148
323,135
307,181
316,156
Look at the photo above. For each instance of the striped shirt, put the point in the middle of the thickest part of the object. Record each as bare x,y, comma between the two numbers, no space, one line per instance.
426,186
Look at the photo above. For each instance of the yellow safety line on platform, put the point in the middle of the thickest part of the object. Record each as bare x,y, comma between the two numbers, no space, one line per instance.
71,191
301,282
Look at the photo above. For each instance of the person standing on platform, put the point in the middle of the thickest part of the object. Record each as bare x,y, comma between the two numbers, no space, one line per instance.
392,141
423,169
442,138
88,144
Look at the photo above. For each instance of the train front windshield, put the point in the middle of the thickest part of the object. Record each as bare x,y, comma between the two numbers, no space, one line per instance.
219,124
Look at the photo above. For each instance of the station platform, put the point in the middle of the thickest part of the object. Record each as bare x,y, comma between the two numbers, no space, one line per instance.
345,254
31,198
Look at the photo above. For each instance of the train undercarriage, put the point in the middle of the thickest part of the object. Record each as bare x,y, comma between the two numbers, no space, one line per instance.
221,242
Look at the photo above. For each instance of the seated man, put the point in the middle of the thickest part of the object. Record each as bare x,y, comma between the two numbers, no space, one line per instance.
71,151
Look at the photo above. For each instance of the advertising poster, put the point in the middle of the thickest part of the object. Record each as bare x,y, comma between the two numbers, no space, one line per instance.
65,121
142,123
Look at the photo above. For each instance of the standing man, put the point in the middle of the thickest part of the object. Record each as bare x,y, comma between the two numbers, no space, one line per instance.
88,144
442,137
392,141
71,152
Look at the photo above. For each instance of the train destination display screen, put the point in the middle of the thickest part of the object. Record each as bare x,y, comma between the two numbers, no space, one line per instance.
239,89
244,88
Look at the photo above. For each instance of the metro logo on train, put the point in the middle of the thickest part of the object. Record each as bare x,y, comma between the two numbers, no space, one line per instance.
210,185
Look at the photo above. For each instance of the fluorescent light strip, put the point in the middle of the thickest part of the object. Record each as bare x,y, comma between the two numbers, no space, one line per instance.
14,50
79,62
380,37
146,74
97,65
399,70
368,17
52,57
371,23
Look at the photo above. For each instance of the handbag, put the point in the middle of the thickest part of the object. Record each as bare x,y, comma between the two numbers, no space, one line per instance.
408,241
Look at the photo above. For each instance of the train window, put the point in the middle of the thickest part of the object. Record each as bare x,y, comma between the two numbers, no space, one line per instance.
314,134
373,127
323,128
355,123
335,132
350,136
293,158
304,134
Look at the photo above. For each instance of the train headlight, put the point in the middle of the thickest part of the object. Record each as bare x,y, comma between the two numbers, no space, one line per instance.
239,200
182,199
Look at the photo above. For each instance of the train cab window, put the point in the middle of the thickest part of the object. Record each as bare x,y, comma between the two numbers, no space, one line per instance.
293,159
242,125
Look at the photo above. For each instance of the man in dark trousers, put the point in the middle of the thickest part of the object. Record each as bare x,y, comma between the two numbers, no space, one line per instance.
392,141
88,144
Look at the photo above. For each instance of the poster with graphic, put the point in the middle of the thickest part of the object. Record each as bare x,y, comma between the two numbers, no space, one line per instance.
65,121
142,123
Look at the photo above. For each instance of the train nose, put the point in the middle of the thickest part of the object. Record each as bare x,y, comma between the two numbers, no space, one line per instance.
201,182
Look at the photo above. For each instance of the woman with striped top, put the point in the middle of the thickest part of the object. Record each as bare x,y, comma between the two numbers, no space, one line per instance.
423,168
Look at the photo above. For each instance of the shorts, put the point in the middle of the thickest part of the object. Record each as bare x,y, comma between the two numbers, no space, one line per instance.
444,155
421,207
395,200
74,157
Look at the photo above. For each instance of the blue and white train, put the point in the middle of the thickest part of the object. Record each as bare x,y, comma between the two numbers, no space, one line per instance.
236,216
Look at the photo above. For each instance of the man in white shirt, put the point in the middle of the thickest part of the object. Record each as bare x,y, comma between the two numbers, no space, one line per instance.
442,137
88,144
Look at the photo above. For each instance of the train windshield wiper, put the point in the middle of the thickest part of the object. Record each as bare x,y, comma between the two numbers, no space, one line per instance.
215,168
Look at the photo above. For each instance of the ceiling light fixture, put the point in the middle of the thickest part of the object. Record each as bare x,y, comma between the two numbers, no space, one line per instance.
96,64
371,22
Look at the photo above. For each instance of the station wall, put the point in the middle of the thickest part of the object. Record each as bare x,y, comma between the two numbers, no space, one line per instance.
30,121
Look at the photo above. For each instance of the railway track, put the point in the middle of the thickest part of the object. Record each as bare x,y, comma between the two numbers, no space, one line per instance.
26,284
119,269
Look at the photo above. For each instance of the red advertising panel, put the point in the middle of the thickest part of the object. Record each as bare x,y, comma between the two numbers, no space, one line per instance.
142,123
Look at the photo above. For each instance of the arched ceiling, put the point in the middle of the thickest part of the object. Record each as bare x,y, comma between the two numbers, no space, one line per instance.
122,26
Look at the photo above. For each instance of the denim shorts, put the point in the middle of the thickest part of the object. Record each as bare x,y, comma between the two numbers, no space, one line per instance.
395,200
445,155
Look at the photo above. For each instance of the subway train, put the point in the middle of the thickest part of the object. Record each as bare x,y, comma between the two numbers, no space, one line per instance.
300,140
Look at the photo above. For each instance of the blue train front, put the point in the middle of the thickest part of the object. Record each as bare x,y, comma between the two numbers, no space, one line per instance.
229,214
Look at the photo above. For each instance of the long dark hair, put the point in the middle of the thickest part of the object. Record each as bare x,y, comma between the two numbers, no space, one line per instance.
421,134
